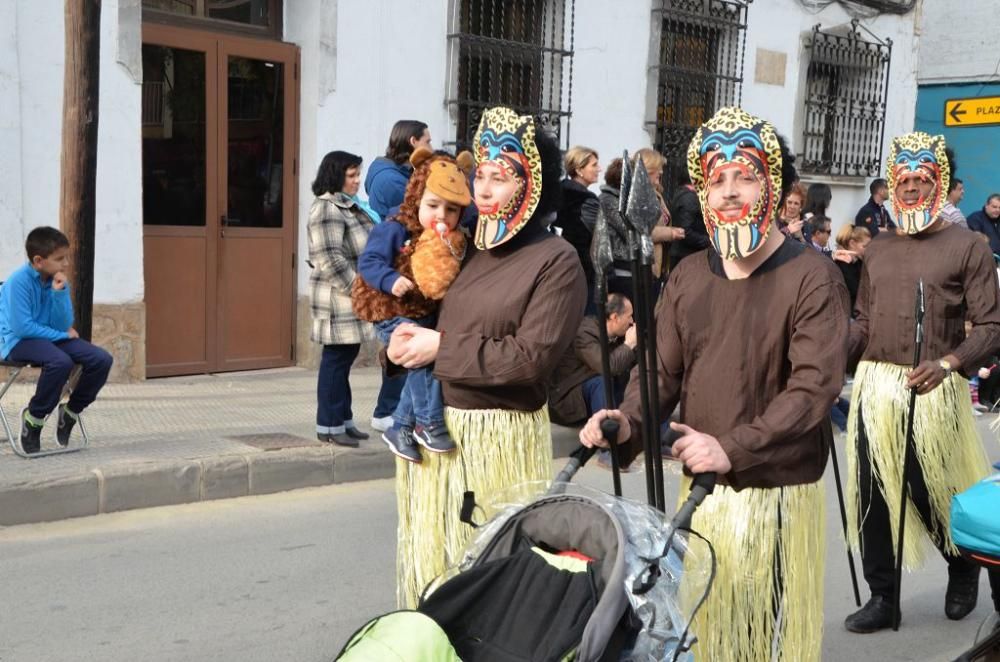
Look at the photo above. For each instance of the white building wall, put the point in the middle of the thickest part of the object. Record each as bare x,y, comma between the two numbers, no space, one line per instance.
610,77
31,140
390,63
11,223
958,41
612,82
781,26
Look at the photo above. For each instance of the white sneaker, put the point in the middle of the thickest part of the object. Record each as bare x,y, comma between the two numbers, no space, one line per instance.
381,424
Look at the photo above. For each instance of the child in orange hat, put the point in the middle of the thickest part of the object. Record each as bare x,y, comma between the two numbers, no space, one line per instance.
405,269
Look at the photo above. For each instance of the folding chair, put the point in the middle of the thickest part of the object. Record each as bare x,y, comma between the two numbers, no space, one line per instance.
14,368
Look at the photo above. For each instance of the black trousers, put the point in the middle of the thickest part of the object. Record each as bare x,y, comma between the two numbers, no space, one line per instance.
878,549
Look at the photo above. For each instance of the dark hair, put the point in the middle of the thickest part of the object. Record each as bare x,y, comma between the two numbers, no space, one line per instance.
877,185
993,196
789,175
330,176
399,148
551,155
952,166
613,173
953,184
818,197
818,222
616,304
683,177
44,241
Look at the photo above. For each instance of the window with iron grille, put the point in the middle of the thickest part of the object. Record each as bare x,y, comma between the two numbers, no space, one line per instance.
516,53
699,70
847,84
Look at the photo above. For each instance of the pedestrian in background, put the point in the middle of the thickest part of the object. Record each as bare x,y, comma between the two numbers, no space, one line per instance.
873,215
338,231
790,220
578,211
620,277
950,212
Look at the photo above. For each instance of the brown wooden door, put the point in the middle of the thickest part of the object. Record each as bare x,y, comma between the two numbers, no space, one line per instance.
219,169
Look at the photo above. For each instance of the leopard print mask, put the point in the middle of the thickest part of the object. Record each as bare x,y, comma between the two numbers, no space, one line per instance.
507,141
736,140
919,174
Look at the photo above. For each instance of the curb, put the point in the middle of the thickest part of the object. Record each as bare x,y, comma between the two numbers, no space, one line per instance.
168,483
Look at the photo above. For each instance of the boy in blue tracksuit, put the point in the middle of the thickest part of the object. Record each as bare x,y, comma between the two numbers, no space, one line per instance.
36,326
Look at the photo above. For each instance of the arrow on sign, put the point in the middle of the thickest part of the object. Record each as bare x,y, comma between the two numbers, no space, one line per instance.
955,112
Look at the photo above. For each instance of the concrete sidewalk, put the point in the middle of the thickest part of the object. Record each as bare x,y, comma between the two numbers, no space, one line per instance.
186,439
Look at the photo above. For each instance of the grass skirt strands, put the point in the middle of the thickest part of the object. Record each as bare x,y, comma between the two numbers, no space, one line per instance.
496,449
766,602
946,441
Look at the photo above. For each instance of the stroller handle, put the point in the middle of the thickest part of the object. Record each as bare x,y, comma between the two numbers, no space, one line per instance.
577,459
580,457
701,486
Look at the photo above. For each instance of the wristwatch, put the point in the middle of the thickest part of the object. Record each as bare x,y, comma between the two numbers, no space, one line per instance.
947,367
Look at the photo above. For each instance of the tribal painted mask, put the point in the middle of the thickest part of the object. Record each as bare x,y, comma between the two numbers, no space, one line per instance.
506,154
919,174
735,143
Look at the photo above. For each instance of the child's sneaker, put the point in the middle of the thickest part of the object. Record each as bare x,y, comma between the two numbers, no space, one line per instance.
31,435
65,422
435,438
400,441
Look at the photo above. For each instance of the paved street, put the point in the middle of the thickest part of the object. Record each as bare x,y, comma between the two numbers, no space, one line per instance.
290,576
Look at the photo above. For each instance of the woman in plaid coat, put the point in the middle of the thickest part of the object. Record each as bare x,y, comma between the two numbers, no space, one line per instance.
338,231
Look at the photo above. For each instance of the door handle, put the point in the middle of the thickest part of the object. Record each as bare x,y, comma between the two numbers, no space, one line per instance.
222,225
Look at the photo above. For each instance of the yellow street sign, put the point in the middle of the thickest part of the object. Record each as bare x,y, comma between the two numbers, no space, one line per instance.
972,112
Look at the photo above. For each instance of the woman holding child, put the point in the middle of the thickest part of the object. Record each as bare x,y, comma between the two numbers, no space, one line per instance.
505,321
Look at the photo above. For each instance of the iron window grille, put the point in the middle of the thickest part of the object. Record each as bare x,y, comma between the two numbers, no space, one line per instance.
847,84
699,70
516,53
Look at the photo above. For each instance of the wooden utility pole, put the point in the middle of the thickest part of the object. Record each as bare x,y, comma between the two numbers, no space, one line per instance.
78,189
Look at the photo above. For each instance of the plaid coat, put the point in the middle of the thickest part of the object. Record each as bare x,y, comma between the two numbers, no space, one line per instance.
338,232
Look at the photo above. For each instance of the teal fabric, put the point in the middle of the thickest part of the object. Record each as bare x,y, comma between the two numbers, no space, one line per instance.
402,636
974,522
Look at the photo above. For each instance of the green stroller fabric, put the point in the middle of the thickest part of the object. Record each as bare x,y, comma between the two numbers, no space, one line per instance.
402,636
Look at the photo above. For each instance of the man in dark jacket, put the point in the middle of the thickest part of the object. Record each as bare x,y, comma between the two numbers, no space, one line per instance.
987,221
685,212
874,215
576,390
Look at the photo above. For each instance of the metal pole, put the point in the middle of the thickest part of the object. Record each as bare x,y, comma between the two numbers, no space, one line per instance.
907,456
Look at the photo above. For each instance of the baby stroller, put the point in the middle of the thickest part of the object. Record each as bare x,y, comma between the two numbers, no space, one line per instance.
976,531
573,574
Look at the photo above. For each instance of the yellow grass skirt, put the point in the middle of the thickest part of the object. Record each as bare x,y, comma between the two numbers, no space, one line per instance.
496,449
739,622
947,444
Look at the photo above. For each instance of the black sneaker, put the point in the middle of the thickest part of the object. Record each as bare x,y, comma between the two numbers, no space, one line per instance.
355,433
31,436
400,441
963,591
874,616
323,436
435,438
64,427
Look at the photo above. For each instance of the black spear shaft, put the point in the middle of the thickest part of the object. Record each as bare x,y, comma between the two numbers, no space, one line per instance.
908,455
602,257
642,356
843,521
609,427
649,304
